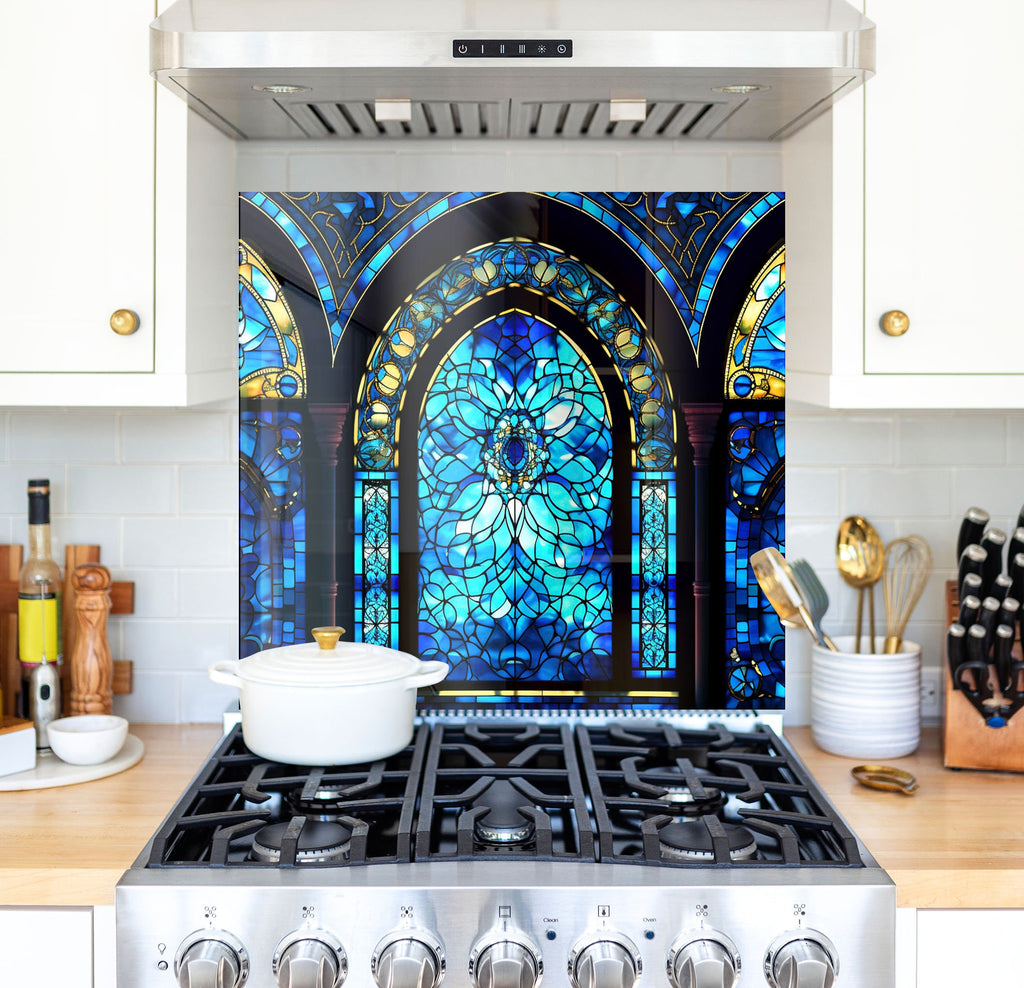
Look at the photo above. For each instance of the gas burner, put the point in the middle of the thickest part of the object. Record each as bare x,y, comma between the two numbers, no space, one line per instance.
326,803
502,823
319,842
691,841
683,802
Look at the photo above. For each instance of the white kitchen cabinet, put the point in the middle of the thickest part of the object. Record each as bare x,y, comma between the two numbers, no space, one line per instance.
116,198
968,947
47,946
911,182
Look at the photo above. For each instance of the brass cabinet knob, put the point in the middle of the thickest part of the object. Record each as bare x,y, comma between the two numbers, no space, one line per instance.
895,323
124,322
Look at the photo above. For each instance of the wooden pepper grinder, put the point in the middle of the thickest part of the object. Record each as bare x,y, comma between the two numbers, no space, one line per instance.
92,670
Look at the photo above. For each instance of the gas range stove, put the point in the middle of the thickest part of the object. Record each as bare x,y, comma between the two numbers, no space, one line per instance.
498,851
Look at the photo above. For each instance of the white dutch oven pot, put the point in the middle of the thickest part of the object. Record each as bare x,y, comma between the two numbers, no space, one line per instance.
327,702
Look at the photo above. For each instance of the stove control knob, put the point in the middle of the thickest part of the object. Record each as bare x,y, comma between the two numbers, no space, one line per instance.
606,960
211,959
707,960
310,959
408,959
801,959
505,961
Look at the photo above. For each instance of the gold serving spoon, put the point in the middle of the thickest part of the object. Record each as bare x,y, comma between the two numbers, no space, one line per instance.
776,581
860,558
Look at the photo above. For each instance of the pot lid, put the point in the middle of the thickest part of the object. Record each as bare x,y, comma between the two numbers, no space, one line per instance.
328,662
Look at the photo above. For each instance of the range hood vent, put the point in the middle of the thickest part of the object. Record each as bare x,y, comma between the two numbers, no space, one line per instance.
355,120
698,69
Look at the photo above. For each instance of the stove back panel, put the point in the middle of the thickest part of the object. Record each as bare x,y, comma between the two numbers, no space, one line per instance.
537,435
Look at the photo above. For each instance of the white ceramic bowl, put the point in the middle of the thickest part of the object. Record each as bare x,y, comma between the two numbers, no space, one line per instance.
88,739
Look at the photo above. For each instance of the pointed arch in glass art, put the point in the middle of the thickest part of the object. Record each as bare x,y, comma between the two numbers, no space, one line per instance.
515,506
270,358
756,365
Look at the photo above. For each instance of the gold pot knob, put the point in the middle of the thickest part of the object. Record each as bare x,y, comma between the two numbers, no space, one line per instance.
327,638
124,322
895,323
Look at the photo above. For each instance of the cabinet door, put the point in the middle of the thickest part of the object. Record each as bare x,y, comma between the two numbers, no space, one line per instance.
42,946
969,947
944,215
77,238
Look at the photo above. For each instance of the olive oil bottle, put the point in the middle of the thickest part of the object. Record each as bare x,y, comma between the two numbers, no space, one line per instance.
39,610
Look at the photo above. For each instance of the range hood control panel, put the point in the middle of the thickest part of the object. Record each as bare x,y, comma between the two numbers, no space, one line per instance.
512,48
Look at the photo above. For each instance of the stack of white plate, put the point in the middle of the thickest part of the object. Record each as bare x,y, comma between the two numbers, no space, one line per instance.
866,705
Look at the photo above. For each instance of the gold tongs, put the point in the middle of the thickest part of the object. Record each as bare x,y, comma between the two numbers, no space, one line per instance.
885,777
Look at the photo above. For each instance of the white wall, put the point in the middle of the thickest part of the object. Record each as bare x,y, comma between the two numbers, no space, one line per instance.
158,490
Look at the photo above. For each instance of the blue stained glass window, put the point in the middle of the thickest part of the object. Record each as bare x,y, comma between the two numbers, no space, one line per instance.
272,530
654,575
376,578
754,518
515,478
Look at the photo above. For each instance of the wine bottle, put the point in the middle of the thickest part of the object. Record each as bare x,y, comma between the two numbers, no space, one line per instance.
39,592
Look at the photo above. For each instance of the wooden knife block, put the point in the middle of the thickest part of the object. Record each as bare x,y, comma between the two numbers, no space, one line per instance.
122,600
967,741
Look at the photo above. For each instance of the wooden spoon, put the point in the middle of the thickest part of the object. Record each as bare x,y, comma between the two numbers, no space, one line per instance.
860,558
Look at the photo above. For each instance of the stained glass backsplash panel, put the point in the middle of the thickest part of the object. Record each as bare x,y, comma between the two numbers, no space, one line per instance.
535,434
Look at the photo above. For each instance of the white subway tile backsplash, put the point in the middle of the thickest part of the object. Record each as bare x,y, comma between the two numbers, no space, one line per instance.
155,698
897,493
571,165
812,493
999,490
180,542
181,645
863,440
104,531
14,478
208,593
977,439
121,489
179,437
203,701
343,171
156,592
63,436
209,490
755,171
664,170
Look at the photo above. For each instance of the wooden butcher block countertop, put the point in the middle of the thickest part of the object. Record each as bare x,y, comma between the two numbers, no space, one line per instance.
957,843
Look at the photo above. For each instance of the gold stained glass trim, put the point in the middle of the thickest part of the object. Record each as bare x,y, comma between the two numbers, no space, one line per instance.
766,383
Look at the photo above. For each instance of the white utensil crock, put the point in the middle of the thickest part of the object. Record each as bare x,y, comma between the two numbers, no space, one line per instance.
306,705
866,705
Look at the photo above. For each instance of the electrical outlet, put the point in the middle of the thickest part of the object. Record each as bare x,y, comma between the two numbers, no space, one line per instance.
931,694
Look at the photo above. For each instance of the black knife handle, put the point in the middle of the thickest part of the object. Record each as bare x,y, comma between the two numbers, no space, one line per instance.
1020,518
1000,586
1009,611
1016,545
973,524
1016,570
1002,659
971,587
977,644
956,649
988,618
993,542
970,608
972,560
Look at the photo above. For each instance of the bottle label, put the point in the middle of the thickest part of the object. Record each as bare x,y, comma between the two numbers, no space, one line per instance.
39,629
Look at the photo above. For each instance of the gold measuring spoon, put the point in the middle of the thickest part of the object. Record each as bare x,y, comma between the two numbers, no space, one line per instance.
776,580
860,558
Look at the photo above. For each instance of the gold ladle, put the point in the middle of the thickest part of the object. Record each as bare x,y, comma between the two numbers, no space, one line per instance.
860,558
776,580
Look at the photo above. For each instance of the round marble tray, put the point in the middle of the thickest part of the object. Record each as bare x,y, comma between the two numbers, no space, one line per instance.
50,771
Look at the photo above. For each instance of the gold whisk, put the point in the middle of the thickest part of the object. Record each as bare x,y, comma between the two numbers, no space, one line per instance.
908,564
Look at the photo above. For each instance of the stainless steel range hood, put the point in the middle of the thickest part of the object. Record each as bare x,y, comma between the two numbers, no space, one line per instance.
394,69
